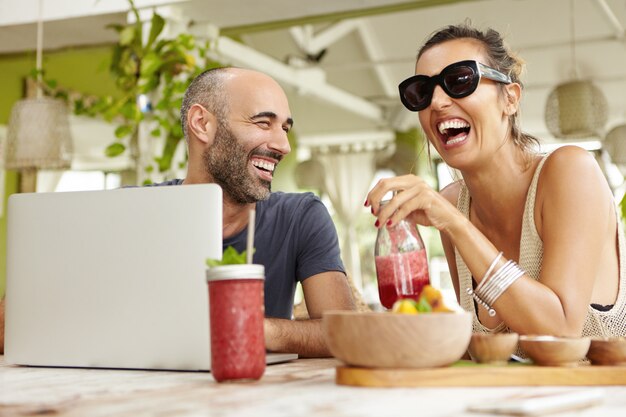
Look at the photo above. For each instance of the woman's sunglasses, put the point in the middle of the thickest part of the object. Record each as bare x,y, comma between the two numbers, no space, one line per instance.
458,80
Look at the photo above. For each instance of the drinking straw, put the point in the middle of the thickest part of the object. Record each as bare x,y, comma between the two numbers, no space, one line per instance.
250,243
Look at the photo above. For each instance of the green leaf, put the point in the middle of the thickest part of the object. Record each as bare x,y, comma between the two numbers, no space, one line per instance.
149,168
129,110
165,124
156,26
177,103
79,106
423,306
138,41
165,161
188,41
146,85
34,73
51,84
127,35
115,26
123,130
162,105
155,132
116,57
150,64
622,205
177,130
62,95
229,257
114,149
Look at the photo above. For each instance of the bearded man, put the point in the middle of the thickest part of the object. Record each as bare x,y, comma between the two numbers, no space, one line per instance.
236,123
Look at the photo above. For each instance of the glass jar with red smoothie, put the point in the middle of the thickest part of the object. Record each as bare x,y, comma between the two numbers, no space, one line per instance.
401,263
236,313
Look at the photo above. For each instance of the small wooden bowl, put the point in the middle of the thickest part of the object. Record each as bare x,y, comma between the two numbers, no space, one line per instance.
555,351
388,340
607,351
493,348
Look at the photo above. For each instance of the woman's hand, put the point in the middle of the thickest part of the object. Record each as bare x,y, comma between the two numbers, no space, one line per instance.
414,200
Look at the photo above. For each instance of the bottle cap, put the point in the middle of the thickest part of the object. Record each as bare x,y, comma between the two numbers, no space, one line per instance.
239,271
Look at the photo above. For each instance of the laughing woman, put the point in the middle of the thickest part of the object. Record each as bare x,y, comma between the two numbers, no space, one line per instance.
533,241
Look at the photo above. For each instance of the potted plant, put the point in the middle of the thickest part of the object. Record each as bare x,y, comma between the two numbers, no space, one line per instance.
152,74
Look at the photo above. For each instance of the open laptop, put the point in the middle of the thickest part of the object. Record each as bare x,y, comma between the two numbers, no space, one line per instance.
112,279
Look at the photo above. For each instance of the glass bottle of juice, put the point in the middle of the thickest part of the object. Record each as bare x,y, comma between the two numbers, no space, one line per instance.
401,263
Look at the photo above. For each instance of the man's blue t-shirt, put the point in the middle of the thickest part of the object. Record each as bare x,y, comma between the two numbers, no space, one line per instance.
294,239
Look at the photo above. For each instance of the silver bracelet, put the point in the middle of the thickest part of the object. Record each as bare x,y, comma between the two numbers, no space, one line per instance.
490,269
490,290
499,289
486,295
482,283
478,300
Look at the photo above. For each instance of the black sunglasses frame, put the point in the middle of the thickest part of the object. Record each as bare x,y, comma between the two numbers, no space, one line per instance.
479,70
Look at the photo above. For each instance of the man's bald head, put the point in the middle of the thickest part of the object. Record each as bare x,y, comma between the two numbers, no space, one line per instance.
210,90
207,89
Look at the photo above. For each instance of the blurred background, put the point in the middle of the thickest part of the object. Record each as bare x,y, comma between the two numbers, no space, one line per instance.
119,68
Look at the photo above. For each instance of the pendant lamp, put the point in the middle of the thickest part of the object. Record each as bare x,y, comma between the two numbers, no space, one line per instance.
577,108
615,144
38,135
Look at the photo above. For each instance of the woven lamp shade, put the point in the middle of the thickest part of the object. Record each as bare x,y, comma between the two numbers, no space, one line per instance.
38,136
576,109
615,144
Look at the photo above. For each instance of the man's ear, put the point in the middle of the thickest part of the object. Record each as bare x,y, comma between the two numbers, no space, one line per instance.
513,93
202,123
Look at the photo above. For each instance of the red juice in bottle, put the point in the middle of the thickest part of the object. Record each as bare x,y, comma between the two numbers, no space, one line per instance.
401,275
401,263
236,313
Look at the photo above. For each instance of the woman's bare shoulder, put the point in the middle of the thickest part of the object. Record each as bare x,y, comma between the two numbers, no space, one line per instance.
571,174
565,156
571,164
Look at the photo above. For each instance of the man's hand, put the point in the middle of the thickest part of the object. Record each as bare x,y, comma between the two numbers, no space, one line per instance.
322,292
304,337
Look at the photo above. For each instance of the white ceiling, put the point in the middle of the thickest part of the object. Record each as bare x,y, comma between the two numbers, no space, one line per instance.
353,87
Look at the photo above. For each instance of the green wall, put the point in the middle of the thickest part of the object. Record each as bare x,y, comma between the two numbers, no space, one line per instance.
83,69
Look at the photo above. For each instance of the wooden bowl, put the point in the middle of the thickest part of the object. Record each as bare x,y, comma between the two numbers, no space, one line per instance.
555,351
388,340
493,348
607,351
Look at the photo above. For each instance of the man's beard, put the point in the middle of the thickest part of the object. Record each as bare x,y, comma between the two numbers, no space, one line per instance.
226,161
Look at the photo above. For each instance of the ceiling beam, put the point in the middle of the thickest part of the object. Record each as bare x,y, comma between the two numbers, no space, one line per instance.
357,140
337,16
313,44
611,18
306,81
375,52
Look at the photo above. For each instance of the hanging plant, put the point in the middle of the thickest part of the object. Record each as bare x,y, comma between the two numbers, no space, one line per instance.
144,67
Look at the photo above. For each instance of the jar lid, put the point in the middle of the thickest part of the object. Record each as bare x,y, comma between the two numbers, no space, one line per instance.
238,271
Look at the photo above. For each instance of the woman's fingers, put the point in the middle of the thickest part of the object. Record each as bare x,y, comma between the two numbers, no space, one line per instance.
403,203
413,198
411,203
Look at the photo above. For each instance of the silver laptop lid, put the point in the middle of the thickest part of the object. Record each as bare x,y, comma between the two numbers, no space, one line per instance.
111,278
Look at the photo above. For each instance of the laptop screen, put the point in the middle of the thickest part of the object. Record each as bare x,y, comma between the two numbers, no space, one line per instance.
111,279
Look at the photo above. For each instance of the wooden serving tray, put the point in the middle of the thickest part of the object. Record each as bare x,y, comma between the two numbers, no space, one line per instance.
467,373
